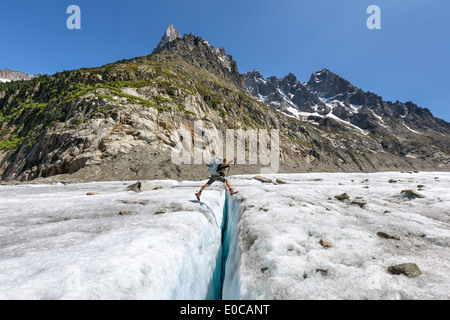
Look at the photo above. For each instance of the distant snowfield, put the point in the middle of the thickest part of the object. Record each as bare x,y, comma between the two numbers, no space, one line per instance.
57,242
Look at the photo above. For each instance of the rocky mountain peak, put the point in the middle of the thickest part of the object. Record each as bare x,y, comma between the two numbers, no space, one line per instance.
290,78
281,93
289,83
329,84
254,74
170,35
7,75
200,53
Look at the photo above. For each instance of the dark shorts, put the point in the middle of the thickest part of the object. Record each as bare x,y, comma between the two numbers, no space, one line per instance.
216,178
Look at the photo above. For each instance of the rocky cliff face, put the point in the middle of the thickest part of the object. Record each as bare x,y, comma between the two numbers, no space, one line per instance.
117,121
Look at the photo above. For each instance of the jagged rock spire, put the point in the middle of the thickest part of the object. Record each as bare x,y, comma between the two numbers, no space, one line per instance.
170,35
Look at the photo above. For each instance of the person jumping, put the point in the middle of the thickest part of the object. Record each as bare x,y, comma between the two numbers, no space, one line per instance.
218,175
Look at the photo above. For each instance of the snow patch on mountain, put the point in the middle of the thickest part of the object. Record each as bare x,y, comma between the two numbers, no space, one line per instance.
331,115
414,131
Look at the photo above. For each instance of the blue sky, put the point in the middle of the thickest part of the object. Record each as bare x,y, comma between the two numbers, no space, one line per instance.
406,60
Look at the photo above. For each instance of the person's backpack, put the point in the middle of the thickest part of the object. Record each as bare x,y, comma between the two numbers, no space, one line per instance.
213,165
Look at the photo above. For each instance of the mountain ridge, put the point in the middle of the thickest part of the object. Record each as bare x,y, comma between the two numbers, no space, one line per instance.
103,123
328,96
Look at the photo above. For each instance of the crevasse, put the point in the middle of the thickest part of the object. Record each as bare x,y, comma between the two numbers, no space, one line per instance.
231,289
225,281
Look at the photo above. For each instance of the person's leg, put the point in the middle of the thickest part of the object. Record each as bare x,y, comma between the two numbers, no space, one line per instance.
204,187
225,180
210,182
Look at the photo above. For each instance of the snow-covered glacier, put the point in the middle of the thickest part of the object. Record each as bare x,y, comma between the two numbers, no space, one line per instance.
286,238
58,242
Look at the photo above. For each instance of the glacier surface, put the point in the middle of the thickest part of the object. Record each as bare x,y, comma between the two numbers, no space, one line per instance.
58,242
